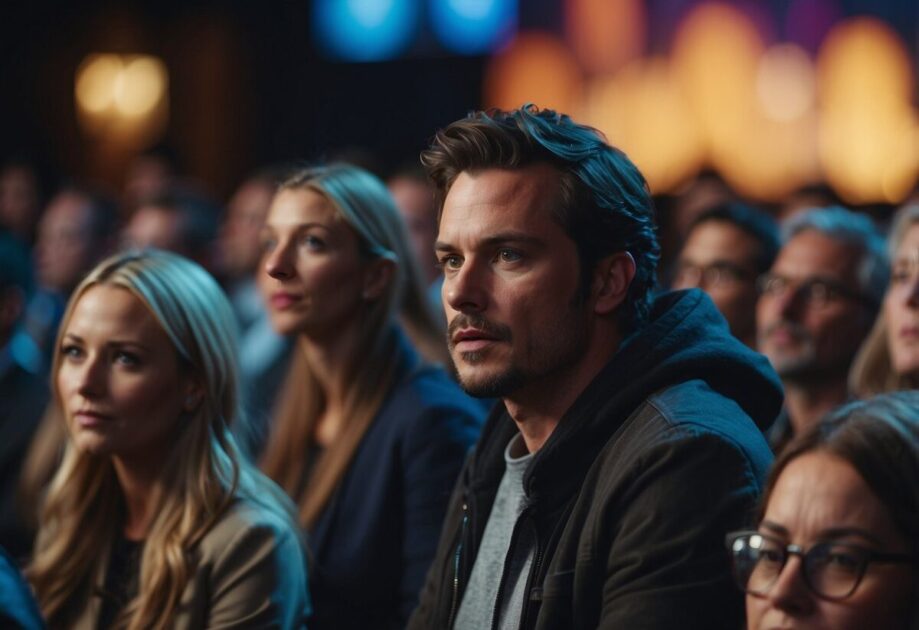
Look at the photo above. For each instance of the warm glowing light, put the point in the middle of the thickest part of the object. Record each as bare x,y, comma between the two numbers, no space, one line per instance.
772,159
605,34
643,112
715,58
535,68
785,82
140,86
868,124
96,78
122,98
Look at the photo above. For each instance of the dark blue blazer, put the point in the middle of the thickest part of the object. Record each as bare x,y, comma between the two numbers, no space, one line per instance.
372,545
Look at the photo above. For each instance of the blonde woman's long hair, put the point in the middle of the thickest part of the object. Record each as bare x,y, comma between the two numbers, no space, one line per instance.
203,475
365,205
872,370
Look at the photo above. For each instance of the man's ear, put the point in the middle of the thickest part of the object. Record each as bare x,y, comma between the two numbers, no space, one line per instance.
377,276
612,278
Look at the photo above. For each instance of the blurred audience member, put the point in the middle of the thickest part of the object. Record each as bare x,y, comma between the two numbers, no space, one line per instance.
414,197
150,174
727,249
75,232
807,198
263,353
707,190
23,393
154,519
889,358
369,437
20,199
179,221
844,499
817,304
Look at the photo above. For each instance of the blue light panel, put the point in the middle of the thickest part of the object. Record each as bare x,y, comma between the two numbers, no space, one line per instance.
365,30
471,27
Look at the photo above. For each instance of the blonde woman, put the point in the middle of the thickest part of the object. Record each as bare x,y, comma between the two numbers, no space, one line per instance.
153,520
889,358
368,437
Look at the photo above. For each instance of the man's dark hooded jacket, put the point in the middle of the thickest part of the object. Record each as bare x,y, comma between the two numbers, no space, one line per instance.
632,494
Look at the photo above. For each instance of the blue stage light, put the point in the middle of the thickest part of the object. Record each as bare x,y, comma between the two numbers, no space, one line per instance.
365,30
472,27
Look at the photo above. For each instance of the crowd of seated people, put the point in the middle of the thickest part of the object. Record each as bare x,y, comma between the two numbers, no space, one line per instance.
271,416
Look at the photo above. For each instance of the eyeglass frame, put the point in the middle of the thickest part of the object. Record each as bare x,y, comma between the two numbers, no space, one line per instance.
806,288
788,550
722,268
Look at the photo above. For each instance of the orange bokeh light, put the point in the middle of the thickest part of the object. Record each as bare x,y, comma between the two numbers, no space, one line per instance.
868,127
605,34
643,112
535,68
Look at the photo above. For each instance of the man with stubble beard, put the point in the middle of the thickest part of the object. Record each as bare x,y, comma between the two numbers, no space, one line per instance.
627,444
816,306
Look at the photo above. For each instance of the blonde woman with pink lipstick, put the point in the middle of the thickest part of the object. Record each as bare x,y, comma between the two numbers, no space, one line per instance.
889,358
369,435
154,519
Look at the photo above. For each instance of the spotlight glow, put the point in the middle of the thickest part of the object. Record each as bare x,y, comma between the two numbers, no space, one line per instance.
471,27
364,30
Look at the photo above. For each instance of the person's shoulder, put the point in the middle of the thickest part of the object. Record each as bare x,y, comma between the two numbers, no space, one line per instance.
247,522
693,413
694,404
430,392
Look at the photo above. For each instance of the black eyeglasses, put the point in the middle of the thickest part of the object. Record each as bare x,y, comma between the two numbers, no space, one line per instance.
719,273
818,292
830,570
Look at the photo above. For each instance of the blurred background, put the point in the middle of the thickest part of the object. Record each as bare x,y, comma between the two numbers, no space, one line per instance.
772,98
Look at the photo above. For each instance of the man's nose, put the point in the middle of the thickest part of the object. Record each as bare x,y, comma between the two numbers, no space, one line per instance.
465,289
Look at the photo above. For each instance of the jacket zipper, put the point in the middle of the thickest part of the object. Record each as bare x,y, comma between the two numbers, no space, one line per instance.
534,573
501,584
456,565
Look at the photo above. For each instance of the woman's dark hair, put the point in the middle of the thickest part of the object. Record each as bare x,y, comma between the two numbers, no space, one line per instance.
879,437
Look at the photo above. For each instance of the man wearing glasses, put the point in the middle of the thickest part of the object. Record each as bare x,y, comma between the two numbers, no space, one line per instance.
816,305
726,250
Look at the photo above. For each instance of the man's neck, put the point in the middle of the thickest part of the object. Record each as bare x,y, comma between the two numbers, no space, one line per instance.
538,407
807,404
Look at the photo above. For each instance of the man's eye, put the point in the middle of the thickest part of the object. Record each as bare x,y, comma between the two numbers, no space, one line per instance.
449,261
509,255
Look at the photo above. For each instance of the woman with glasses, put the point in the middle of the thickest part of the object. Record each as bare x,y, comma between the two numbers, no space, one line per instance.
889,359
836,545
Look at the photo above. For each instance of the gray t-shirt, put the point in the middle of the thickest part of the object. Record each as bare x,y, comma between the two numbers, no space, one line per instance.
477,608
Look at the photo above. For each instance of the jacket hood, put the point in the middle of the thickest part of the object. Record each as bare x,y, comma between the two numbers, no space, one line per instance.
685,339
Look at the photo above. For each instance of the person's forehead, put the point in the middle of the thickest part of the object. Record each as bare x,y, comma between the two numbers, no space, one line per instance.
812,253
719,240
523,195
69,208
819,491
